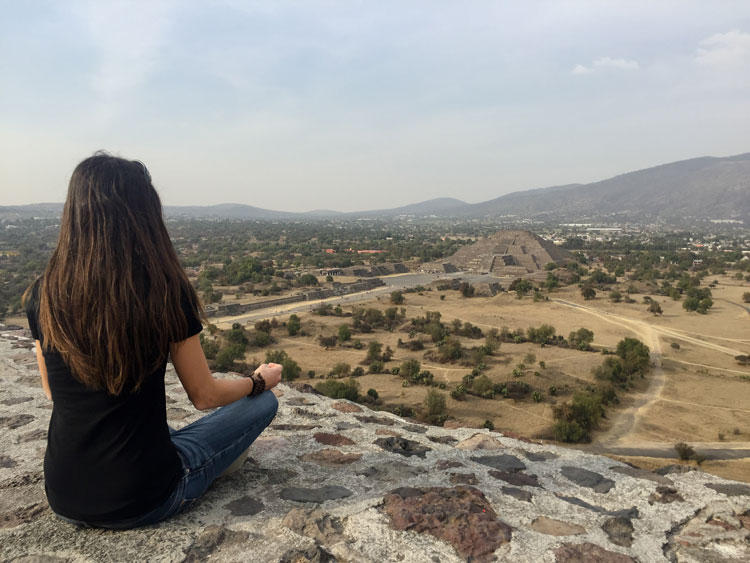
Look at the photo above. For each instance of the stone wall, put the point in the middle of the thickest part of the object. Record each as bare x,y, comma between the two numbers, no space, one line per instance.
333,481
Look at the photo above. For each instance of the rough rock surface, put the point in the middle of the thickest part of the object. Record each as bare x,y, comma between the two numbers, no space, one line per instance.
409,499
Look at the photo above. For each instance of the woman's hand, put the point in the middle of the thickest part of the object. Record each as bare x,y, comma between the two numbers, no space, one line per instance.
271,373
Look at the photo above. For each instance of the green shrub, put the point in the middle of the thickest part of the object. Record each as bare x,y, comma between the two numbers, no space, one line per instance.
569,431
341,369
434,404
489,425
339,389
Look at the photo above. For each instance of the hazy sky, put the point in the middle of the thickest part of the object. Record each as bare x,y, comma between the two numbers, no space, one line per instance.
366,104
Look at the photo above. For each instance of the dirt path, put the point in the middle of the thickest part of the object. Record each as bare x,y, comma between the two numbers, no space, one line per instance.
625,419
746,372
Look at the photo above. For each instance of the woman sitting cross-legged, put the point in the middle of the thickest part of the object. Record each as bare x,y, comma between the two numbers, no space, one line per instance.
112,305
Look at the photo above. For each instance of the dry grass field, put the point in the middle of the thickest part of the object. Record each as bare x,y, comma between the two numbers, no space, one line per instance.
696,393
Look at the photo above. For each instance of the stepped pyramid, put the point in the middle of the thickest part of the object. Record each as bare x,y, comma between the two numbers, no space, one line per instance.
518,254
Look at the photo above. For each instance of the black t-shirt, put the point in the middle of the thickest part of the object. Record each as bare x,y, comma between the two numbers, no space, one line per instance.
108,457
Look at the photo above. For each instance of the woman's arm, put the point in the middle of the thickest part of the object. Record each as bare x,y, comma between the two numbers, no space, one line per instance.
204,391
43,370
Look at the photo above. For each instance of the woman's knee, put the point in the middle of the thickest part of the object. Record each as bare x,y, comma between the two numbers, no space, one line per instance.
266,405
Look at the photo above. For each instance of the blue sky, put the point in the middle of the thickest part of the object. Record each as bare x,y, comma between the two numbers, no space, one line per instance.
360,105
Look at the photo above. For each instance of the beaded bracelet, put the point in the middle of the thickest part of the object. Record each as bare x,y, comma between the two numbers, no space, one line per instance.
259,385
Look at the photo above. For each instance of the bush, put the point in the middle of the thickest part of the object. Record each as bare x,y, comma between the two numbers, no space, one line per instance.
210,347
339,389
372,393
376,367
373,352
746,297
684,451
489,425
409,368
576,420
228,353
397,297
434,404
261,339
293,325
541,335
482,385
345,333
327,341
290,370
341,369
450,350
588,292
358,371
459,393
569,431
675,345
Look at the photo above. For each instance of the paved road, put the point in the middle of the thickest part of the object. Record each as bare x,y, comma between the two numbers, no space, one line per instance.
668,452
392,283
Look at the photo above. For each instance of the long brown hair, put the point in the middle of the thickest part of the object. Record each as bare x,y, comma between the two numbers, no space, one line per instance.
110,300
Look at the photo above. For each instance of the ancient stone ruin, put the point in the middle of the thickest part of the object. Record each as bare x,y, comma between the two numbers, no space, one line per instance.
332,481
511,254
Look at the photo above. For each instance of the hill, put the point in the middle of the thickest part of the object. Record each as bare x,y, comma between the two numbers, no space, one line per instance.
704,188
680,192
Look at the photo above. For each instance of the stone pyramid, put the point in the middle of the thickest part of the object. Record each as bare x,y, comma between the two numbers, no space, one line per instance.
520,254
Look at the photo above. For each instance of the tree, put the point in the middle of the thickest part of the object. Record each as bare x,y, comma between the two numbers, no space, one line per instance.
228,353
541,335
588,292
345,333
746,297
521,286
373,352
293,325
654,308
308,279
581,338
397,297
466,289
635,355
615,296
409,368
450,350
290,369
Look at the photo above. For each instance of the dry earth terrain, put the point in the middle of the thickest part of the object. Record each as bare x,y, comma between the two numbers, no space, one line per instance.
695,393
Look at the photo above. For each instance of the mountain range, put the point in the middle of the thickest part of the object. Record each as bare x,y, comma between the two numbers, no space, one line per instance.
701,188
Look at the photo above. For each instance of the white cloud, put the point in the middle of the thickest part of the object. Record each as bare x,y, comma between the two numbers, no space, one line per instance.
623,64
606,63
725,50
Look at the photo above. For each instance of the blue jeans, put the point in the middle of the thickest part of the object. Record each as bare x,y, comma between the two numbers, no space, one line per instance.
206,447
